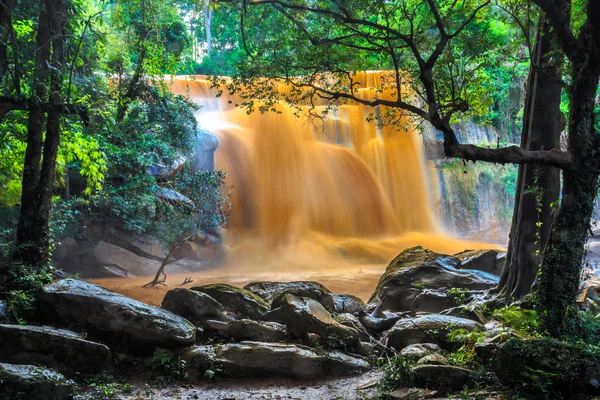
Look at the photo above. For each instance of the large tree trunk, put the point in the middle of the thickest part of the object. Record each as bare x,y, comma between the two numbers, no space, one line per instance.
537,187
560,276
38,175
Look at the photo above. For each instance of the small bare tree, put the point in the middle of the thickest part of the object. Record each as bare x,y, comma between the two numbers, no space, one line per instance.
189,204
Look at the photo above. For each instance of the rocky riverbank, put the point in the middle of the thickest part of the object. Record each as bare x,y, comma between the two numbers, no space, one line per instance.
223,341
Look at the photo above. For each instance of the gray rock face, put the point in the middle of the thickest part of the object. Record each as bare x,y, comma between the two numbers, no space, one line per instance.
279,359
194,306
205,145
417,269
346,303
62,349
481,260
303,315
313,290
443,377
247,329
239,301
431,328
116,317
420,350
33,383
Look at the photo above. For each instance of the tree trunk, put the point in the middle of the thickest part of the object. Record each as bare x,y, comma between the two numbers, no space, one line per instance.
6,9
558,283
38,175
537,187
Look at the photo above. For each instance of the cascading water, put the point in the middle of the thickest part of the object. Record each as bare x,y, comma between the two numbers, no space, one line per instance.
345,188
332,205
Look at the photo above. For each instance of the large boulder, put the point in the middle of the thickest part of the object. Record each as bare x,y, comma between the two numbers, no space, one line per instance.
481,260
431,328
194,306
246,329
273,292
561,369
443,377
303,315
417,269
116,317
33,383
240,301
280,359
62,349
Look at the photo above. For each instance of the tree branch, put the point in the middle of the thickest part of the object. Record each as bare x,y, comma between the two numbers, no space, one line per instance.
9,104
509,155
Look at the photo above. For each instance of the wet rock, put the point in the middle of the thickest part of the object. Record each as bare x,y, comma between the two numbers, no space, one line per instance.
382,322
200,357
346,303
366,349
433,359
303,315
194,306
420,350
432,301
481,260
314,293
563,369
443,377
62,349
466,311
116,317
417,269
33,383
279,359
431,328
240,301
311,340
352,321
246,329
272,290
275,315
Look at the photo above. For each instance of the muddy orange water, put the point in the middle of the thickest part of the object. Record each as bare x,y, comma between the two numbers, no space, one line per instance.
333,204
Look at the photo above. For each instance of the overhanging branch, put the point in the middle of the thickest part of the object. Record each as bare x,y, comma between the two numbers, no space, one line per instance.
509,155
8,104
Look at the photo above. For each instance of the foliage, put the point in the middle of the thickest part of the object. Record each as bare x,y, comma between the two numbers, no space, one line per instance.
458,295
396,373
465,355
517,318
165,362
104,387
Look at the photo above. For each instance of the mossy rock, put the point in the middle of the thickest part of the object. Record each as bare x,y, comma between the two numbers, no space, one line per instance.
545,368
237,300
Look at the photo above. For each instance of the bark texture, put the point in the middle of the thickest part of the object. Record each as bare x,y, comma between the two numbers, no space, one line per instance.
538,187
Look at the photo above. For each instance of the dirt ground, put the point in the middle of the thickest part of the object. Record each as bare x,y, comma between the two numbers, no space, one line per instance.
271,388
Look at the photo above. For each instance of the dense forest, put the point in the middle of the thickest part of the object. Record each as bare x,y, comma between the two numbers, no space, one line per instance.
101,145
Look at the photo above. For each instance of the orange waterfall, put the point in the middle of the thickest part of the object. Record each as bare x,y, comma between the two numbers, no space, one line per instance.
302,194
